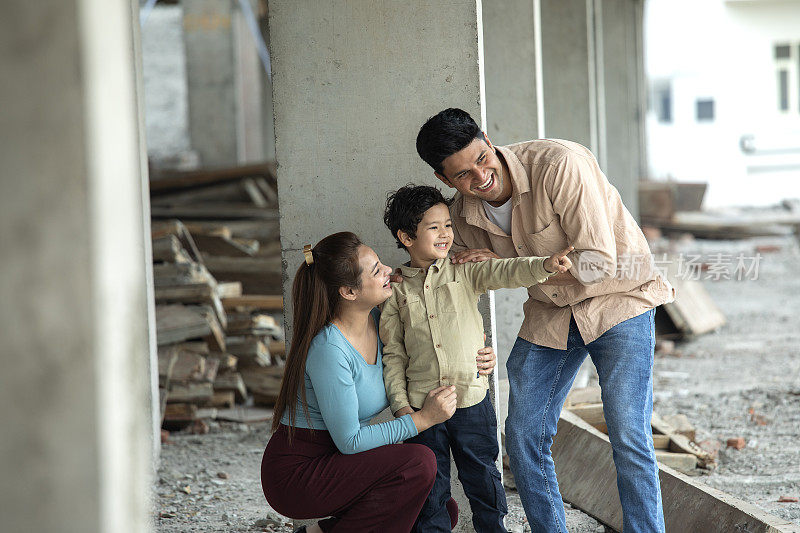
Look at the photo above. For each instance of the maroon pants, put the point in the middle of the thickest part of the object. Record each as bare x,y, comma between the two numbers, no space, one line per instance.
382,489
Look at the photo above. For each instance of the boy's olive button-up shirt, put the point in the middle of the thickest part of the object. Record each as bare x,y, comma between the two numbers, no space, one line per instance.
431,328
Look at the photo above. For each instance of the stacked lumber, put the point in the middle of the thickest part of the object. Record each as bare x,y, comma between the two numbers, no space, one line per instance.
674,445
217,274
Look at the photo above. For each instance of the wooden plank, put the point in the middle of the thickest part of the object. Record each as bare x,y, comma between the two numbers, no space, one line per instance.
681,444
223,399
259,275
223,192
277,349
268,302
167,356
693,312
215,211
225,361
168,249
231,381
250,352
175,323
177,228
252,324
661,442
253,191
171,179
264,383
226,246
682,462
195,293
190,392
587,480
169,274
245,415
591,413
229,289
583,395
180,412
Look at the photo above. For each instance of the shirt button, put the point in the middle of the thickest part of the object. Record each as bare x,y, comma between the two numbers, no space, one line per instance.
438,345
519,247
555,295
433,316
427,286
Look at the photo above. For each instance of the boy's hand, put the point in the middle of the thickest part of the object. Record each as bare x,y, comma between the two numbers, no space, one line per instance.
559,262
475,256
407,410
486,360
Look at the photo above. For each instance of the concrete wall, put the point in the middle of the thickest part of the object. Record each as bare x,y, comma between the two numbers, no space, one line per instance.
75,450
353,81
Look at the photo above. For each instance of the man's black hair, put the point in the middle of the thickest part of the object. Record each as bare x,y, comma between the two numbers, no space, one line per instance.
444,134
406,206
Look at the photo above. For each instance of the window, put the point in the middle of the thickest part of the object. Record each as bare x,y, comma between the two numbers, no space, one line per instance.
662,100
705,110
787,79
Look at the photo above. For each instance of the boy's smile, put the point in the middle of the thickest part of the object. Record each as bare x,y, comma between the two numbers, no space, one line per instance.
434,237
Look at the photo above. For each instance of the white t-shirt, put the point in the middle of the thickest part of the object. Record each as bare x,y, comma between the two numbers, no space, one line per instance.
501,216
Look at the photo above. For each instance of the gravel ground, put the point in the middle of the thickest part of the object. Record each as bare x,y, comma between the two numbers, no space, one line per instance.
744,379
741,381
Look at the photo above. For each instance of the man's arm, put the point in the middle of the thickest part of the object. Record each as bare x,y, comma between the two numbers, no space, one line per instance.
577,190
395,358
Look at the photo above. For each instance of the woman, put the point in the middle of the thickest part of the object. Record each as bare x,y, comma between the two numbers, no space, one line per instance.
324,459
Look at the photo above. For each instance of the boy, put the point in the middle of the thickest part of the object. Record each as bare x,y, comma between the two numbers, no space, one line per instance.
431,330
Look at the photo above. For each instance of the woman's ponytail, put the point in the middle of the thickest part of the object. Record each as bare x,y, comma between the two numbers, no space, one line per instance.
315,298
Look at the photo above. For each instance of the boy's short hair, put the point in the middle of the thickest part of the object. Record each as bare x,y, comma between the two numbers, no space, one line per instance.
406,206
444,134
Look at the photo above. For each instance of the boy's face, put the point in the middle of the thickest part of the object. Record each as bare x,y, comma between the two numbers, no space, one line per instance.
434,235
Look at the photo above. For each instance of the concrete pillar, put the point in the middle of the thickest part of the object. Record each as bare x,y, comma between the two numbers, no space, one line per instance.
211,80
622,79
75,450
352,83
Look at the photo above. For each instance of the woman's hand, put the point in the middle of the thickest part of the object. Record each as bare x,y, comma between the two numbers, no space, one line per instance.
440,404
486,360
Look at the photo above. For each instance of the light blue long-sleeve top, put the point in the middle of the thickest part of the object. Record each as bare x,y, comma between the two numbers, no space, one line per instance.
344,393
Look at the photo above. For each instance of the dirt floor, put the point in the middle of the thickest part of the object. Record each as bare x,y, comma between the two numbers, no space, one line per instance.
741,381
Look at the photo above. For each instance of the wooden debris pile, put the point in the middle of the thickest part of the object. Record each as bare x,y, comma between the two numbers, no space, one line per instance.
217,274
673,440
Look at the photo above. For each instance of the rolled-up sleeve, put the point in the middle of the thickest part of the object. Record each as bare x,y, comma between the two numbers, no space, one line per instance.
575,185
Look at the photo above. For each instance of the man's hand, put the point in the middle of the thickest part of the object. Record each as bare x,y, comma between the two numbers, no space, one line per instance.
559,262
486,360
403,411
475,255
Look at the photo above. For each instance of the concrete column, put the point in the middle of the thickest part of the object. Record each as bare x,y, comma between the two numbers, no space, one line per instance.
352,83
622,79
211,80
75,451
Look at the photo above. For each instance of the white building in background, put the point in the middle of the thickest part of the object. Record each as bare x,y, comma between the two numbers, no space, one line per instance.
724,107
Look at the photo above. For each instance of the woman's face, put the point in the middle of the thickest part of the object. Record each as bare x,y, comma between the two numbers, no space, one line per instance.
375,287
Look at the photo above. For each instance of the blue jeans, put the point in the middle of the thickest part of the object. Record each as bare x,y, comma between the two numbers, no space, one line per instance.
540,378
471,434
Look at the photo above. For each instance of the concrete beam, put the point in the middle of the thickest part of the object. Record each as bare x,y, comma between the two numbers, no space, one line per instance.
75,451
587,479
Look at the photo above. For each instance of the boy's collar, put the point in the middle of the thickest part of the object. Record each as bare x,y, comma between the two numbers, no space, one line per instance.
408,271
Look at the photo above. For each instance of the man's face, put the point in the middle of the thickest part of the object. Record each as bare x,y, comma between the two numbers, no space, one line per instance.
475,170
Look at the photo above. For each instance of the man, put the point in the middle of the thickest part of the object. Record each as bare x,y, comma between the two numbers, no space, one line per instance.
533,199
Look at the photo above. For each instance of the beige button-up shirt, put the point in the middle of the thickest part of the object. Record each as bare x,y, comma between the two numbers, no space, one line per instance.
431,328
560,198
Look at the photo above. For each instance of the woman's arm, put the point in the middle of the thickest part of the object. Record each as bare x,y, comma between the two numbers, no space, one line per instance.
335,390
